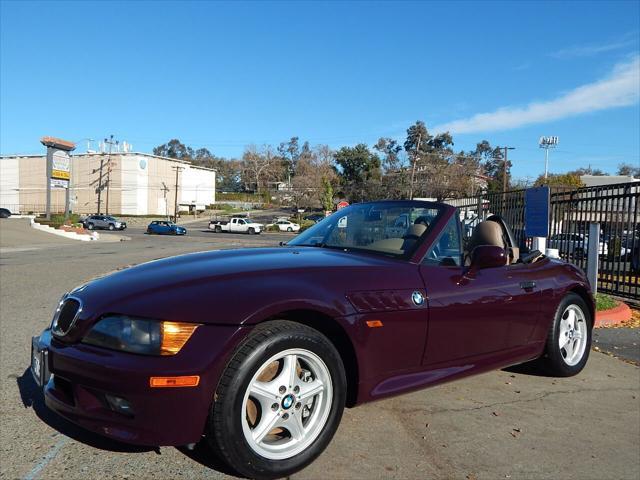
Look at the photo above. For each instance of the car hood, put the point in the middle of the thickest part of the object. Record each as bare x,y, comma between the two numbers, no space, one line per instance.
231,281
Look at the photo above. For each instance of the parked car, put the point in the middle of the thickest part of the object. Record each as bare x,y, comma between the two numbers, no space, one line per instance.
315,218
236,225
285,226
105,222
575,244
160,227
259,350
5,213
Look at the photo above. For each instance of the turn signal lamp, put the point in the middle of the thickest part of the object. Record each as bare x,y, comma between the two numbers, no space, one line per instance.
168,382
174,336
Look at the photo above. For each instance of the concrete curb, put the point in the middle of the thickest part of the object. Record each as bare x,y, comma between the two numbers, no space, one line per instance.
613,316
62,233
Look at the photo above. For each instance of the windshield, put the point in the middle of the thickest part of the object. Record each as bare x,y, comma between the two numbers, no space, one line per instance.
389,228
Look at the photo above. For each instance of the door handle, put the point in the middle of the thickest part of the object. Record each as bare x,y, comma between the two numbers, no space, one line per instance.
529,285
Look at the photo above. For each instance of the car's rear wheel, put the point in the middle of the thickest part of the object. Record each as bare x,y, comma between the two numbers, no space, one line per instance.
218,229
279,401
289,229
569,338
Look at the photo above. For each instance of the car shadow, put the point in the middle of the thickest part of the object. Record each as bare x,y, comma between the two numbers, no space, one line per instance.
205,456
32,397
530,368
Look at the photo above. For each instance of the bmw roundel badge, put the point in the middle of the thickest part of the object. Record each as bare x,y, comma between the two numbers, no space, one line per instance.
417,298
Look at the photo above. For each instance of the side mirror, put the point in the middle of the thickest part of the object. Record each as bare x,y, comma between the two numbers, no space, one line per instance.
488,256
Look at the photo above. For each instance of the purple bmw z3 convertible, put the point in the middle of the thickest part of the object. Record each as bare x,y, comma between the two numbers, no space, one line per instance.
256,352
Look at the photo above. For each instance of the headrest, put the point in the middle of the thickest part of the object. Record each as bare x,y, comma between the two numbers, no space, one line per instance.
415,231
421,220
487,233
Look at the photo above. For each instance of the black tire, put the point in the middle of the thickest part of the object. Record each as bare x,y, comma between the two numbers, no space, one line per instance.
553,360
252,231
90,226
289,229
112,227
218,229
225,434
149,232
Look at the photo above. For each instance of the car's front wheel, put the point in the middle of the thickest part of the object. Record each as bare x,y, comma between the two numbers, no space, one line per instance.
252,231
90,226
112,226
279,401
569,337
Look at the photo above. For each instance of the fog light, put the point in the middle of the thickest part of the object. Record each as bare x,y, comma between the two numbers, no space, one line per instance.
119,405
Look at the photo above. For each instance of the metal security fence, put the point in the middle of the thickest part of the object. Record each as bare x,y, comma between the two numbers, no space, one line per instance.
615,208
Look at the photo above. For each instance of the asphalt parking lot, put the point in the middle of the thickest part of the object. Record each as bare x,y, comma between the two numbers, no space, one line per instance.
506,424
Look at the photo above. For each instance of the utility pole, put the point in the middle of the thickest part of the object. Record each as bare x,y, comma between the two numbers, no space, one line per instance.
504,167
175,203
165,190
547,143
111,143
413,170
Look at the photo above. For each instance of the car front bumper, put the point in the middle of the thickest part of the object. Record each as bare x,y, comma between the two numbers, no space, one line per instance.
78,379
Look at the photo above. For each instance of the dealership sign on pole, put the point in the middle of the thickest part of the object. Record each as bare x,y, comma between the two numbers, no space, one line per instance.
536,212
58,168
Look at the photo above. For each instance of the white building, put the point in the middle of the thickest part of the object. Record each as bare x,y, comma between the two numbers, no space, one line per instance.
133,184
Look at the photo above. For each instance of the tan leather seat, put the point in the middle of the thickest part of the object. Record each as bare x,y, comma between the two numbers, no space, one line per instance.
485,233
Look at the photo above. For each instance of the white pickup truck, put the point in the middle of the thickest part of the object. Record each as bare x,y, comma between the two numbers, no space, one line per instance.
236,225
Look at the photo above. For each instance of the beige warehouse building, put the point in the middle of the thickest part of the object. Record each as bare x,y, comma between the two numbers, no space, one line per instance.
138,184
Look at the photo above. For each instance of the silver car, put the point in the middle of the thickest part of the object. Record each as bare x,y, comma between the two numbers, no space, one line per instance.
106,222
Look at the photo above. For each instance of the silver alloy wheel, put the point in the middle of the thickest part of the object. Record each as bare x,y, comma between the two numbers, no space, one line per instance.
287,404
572,338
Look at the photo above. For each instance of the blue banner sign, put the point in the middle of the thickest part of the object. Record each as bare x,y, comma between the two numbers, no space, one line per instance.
536,212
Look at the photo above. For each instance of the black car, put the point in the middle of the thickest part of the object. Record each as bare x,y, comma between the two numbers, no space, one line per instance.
4,213
316,217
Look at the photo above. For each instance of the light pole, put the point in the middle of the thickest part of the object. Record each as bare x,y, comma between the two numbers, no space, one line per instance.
88,140
547,143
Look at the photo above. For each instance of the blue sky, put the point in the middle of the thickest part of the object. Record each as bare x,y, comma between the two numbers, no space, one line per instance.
223,75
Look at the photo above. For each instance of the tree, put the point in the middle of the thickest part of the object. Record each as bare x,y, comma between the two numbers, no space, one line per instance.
588,171
314,174
559,180
258,167
359,170
492,162
327,195
174,149
434,170
629,170
289,152
390,151
228,174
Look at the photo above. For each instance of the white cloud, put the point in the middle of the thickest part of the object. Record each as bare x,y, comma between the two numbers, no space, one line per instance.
620,88
595,49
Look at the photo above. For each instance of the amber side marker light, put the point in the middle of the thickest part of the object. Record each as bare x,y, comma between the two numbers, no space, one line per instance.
184,381
374,323
174,335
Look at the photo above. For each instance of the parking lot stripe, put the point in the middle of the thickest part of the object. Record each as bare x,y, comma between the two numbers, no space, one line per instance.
51,454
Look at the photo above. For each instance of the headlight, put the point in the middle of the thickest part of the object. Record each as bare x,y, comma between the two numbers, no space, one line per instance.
140,335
